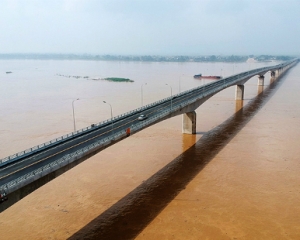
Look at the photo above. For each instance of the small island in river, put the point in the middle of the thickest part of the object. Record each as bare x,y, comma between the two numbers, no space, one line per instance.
115,79
112,79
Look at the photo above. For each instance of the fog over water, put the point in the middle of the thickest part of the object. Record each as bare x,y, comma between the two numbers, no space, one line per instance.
236,178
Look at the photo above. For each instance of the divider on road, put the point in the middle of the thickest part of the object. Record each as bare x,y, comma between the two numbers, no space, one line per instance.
207,89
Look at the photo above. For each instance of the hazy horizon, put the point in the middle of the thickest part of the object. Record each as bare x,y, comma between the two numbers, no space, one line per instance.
153,27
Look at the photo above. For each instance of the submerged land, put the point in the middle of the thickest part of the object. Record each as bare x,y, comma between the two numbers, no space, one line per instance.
116,79
111,79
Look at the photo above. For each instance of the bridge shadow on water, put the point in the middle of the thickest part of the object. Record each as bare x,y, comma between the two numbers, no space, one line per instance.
130,215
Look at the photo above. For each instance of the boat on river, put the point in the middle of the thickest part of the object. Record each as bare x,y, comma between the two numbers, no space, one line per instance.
212,77
198,75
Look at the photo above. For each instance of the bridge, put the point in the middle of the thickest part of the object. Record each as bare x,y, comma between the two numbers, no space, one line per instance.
23,172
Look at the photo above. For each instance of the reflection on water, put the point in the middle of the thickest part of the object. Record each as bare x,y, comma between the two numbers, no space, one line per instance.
188,140
260,89
129,216
239,105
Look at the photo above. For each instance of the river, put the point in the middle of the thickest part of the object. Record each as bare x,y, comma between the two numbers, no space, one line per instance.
235,179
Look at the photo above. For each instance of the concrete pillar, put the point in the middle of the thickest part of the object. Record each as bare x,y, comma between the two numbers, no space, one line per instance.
273,75
189,122
239,105
188,140
260,89
261,79
239,93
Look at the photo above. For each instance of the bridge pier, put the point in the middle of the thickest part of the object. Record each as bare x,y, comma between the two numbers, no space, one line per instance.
189,122
260,89
239,105
277,73
261,79
273,75
239,93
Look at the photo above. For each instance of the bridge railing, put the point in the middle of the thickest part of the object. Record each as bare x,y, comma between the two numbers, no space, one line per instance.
221,83
203,91
43,146
9,187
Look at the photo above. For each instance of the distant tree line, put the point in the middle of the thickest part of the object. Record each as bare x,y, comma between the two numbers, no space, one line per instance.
147,58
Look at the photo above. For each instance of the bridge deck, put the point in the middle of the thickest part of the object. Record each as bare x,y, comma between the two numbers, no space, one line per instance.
28,166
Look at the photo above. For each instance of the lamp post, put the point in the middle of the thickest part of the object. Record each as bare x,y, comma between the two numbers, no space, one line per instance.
142,93
171,94
222,76
111,115
74,114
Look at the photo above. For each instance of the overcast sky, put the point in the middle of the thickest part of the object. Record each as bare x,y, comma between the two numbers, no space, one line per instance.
150,27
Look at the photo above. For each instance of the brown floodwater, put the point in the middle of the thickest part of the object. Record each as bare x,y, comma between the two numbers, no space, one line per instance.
237,178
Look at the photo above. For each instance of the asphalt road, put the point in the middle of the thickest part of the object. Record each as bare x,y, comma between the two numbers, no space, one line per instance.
48,155
39,159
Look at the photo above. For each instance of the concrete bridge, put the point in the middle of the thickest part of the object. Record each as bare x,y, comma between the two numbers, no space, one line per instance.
23,172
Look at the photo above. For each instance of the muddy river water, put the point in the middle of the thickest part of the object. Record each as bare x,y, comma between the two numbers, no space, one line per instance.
237,178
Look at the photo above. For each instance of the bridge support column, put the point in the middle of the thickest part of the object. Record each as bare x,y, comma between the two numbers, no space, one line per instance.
273,75
189,122
261,79
239,105
239,93
260,89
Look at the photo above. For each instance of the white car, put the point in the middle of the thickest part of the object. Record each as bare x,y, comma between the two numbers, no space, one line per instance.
142,117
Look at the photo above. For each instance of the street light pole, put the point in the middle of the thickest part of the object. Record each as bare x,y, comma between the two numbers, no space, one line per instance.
171,94
111,115
222,76
142,92
74,114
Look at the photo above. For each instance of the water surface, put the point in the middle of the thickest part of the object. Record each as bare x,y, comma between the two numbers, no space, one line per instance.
236,178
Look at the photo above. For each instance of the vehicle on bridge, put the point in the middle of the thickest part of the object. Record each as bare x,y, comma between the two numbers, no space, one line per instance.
142,117
3,197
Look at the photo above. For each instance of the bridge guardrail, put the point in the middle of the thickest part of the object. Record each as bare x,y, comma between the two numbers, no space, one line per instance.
102,142
209,88
66,137
229,80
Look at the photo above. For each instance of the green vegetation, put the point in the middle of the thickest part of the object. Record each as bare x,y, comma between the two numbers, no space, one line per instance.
114,79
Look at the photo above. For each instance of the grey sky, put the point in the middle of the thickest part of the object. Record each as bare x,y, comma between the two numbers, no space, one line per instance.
154,27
